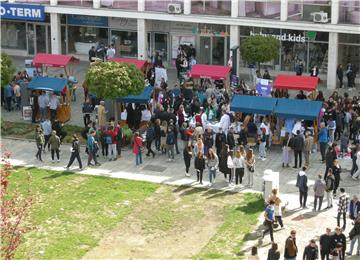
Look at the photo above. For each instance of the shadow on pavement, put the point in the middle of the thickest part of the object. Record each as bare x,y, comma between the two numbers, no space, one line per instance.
59,174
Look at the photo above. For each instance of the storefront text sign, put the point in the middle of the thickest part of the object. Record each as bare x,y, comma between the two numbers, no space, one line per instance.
285,37
87,20
22,12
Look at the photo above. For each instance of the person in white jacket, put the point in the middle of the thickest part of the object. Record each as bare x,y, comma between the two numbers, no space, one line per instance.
239,165
230,166
357,173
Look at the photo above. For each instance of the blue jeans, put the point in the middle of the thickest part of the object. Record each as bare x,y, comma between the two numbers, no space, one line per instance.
352,243
212,175
43,113
138,158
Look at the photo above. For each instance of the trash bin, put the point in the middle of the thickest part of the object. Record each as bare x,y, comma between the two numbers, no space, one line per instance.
271,181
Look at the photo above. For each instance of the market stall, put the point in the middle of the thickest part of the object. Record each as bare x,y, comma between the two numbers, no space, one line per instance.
290,82
57,86
253,104
44,61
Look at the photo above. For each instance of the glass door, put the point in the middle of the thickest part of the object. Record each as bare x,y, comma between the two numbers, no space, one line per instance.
205,50
41,38
161,45
31,39
218,51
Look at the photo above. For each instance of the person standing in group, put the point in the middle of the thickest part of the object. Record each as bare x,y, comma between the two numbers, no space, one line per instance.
119,138
163,130
262,146
111,141
47,128
291,249
230,139
354,236
17,94
137,146
311,251
92,148
39,138
239,165
101,114
329,160
323,140
8,96
54,146
277,206
87,110
325,244
212,164
336,169
336,239
199,166
269,220
301,183
330,183
54,104
286,150
43,102
187,158
308,144
223,160
273,253
340,74
319,191
157,134
298,148
220,141
170,143
75,153
354,208
230,166
250,164
356,174
150,136
343,206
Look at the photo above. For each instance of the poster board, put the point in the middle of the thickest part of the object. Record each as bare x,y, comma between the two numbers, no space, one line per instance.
160,73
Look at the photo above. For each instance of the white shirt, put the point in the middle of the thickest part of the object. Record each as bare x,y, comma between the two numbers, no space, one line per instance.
43,101
54,102
203,119
145,115
225,122
110,53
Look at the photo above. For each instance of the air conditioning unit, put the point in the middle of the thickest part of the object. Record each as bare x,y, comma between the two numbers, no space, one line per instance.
320,17
174,8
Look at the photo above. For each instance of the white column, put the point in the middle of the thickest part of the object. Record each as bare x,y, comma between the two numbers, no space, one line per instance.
187,6
241,8
96,4
284,10
142,39
141,5
53,2
332,59
235,40
234,8
55,33
335,11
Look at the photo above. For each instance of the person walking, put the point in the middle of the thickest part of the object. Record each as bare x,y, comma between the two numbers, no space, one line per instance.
323,140
273,253
262,146
137,146
269,220
92,148
199,166
212,164
298,148
277,206
308,144
8,96
170,143
343,206
338,238
291,249
187,153
356,174
230,167
336,172
301,183
150,136
111,141
163,130
39,139
75,153
54,104
330,183
223,160
325,244
220,141
250,164
354,208
319,191
239,164
47,129
54,146
354,236
329,160
311,251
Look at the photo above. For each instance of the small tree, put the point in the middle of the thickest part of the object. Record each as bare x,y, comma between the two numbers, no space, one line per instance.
110,80
7,69
257,49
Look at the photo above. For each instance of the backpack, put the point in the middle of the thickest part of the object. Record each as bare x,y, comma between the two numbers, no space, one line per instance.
108,139
170,138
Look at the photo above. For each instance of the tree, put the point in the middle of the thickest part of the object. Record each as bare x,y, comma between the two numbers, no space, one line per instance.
257,49
110,80
7,69
15,207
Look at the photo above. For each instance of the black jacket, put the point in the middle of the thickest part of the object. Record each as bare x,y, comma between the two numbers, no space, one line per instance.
230,140
208,140
311,253
338,239
187,157
273,255
199,163
325,243
298,143
220,140
242,140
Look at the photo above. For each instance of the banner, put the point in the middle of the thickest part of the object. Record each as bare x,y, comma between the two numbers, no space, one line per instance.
22,12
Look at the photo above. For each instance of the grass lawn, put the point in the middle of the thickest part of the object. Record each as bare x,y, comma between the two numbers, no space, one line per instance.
72,213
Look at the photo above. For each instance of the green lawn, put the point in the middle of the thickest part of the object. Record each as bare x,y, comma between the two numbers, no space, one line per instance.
72,212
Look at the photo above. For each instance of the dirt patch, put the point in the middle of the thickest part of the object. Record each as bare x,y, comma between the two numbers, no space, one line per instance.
175,222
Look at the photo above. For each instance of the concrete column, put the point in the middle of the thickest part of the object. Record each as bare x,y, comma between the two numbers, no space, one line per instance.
333,50
187,7
234,8
284,10
96,4
53,2
241,8
335,11
141,5
55,33
235,40
142,39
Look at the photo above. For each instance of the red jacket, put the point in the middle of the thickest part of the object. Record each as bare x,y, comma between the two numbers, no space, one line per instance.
113,134
138,142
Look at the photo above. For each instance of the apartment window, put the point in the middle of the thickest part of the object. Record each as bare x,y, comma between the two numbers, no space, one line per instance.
349,12
300,10
269,9
211,7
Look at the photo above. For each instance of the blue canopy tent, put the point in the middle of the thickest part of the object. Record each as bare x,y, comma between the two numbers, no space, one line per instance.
144,97
299,109
47,84
253,104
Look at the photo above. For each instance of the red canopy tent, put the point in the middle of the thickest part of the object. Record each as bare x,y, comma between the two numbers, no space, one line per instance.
53,60
296,82
140,64
214,72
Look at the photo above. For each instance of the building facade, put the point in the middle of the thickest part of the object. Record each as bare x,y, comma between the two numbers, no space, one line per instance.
315,32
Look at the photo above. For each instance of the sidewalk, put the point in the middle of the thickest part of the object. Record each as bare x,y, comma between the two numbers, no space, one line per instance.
308,224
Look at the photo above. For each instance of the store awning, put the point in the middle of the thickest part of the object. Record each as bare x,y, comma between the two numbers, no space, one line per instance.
296,82
53,60
143,98
253,104
47,84
298,109
214,72
140,64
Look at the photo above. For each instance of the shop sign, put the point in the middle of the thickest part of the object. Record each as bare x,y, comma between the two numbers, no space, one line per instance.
99,21
209,30
158,26
285,37
182,27
123,23
22,12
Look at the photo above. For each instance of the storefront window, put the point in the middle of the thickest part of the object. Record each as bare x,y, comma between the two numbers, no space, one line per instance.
85,3
211,7
81,39
15,35
160,6
318,56
269,9
309,10
120,4
349,12
125,43
349,49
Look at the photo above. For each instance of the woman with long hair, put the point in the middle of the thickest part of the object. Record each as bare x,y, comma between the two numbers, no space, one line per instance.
230,166
250,163
199,166
163,130
187,158
274,196
223,160
137,146
212,163
239,164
